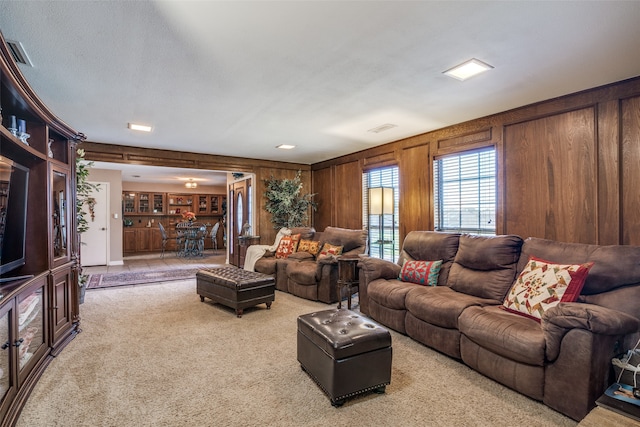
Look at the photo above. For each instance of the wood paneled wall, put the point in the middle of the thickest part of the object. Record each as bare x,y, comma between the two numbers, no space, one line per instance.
568,169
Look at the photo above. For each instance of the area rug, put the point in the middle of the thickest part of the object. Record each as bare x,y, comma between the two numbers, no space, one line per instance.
109,280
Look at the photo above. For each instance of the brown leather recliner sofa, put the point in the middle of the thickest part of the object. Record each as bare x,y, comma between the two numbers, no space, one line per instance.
303,275
564,360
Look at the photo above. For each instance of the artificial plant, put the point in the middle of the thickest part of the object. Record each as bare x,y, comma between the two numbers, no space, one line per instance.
286,203
84,188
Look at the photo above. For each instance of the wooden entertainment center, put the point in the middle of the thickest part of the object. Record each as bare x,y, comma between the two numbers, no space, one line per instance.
39,310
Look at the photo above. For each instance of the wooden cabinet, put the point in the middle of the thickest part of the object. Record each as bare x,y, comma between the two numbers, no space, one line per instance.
141,239
61,305
241,249
143,203
39,310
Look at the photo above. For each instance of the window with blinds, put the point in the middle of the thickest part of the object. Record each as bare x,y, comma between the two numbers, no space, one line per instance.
381,220
465,192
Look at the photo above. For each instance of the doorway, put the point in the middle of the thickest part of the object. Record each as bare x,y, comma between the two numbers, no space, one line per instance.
94,245
239,214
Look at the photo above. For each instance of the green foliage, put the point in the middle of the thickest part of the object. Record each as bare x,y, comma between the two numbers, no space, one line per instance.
288,207
83,190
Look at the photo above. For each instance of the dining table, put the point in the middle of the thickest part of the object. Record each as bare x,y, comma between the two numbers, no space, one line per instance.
190,237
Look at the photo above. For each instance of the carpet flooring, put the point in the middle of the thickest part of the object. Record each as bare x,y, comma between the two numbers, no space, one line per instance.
155,355
109,280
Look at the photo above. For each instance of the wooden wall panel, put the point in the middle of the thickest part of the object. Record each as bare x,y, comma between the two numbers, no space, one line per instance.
348,195
323,186
608,173
630,193
551,188
416,198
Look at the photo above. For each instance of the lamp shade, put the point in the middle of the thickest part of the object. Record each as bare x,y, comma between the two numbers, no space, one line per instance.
381,201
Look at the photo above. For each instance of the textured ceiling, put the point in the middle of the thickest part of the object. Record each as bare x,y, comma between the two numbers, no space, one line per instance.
238,78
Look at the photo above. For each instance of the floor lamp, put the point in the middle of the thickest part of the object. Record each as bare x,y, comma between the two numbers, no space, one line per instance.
381,204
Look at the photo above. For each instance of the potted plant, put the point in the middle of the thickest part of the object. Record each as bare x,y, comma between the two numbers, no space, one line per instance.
83,197
286,203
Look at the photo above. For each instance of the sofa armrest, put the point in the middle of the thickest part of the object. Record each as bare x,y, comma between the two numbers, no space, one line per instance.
557,321
372,269
376,268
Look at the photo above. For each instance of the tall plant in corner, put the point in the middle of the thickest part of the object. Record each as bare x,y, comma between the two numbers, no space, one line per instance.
286,203
84,188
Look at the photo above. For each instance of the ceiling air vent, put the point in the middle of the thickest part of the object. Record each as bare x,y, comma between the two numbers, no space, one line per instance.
18,53
382,128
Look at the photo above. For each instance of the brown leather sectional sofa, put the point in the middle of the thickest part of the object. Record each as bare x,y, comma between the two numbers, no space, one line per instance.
564,360
302,275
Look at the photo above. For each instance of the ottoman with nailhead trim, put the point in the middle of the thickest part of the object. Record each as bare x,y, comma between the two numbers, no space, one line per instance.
344,352
236,288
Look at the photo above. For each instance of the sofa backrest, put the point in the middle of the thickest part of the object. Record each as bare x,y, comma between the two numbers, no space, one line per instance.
430,246
354,241
306,233
614,279
485,266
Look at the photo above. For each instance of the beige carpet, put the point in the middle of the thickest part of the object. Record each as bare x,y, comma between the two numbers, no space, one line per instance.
154,355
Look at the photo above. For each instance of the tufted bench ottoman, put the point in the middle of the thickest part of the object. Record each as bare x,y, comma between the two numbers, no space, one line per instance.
344,352
235,287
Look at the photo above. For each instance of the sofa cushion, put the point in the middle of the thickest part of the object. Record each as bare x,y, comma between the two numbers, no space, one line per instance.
328,250
614,266
304,272
266,265
485,266
421,272
542,285
390,293
431,245
347,238
309,246
287,246
507,334
441,305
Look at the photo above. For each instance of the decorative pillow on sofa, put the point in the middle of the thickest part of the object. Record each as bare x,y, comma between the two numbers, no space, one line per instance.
421,272
543,285
329,250
287,246
311,246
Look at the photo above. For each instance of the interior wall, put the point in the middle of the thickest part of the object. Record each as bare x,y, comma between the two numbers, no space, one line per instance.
173,188
568,169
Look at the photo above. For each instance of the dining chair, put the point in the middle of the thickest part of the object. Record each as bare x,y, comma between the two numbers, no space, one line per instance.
163,233
214,236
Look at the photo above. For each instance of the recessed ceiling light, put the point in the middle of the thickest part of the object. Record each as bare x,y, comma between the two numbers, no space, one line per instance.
142,128
382,128
468,69
286,146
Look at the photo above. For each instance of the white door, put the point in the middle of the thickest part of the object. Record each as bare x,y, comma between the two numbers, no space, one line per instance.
95,241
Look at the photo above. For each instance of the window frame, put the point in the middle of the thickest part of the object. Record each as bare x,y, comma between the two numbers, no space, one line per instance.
439,223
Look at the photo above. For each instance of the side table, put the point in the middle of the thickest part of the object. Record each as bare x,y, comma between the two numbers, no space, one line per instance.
348,276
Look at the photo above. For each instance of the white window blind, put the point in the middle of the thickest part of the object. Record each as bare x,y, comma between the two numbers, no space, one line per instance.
465,192
383,230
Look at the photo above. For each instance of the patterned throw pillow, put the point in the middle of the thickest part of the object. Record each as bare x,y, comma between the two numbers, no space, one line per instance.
311,246
543,285
329,250
287,246
421,272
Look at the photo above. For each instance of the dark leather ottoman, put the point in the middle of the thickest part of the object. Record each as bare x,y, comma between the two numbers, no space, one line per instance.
235,287
344,352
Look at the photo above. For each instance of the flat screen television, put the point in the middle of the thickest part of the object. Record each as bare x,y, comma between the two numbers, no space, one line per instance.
14,180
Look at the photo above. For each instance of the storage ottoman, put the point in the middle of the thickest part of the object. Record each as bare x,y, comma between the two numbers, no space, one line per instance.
344,352
235,287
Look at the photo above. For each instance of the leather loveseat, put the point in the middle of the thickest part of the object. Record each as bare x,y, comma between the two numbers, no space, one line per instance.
303,274
563,360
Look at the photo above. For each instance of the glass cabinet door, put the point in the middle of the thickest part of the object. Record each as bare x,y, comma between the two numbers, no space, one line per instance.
31,339
158,203
143,203
60,215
